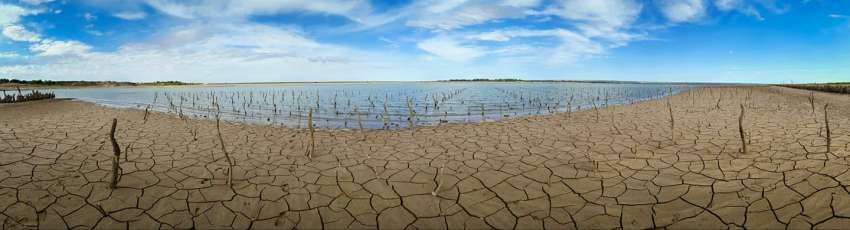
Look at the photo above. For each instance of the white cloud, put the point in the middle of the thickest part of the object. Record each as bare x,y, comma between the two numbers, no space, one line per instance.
11,14
209,53
241,8
738,5
89,16
59,48
683,10
9,55
450,49
36,2
448,15
19,33
130,15
9,19
521,3
571,46
597,18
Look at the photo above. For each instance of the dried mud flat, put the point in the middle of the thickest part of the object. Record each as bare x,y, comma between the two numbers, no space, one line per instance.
618,168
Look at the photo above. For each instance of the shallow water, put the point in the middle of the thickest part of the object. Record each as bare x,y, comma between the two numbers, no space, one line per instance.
379,105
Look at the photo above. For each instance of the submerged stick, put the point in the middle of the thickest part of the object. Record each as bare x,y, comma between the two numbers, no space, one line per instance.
117,153
411,120
360,122
312,147
741,130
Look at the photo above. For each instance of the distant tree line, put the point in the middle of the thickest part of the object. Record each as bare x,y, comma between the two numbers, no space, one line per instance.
487,79
89,83
838,87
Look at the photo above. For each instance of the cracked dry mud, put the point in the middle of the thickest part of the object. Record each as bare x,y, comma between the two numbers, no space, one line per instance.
557,171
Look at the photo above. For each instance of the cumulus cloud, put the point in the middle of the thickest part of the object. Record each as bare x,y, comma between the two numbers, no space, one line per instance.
59,48
214,40
11,14
9,19
683,10
209,53
19,33
598,18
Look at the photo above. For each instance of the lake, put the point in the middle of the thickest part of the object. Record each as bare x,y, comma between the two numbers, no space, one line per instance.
386,105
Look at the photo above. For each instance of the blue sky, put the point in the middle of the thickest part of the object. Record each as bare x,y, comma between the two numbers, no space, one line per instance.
769,41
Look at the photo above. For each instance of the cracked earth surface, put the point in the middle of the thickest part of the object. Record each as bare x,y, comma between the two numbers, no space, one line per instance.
622,170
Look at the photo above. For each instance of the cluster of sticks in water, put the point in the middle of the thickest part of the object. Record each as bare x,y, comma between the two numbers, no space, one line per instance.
21,97
293,106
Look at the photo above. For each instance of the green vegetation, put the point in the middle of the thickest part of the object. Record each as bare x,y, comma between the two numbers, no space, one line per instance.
487,80
838,87
50,83
165,83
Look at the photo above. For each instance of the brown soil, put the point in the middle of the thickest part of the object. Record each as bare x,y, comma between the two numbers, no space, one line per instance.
624,170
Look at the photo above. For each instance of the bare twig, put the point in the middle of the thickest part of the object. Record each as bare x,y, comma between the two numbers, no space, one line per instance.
411,121
828,133
672,121
741,130
223,149
312,147
117,151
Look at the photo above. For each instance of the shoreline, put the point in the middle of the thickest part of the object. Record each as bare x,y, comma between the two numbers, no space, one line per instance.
400,128
545,171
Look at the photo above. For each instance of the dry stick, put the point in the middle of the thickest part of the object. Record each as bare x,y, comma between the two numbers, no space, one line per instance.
812,101
386,116
223,149
741,130
439,182
312,147
145,119
672,121
828,134
117,150
719,98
